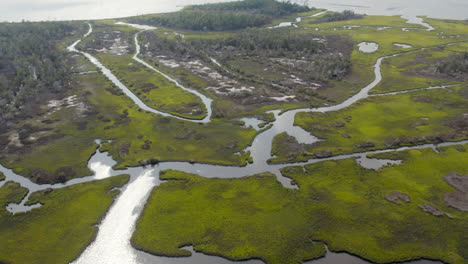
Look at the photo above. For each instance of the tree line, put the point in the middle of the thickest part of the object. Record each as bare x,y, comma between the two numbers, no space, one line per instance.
205,20
223,16
266,7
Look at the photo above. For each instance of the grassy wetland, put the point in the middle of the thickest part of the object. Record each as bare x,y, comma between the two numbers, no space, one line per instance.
59,107
60,229
258,209
138,136
382,122
338,203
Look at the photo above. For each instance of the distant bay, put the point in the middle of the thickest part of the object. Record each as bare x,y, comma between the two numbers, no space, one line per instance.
39,10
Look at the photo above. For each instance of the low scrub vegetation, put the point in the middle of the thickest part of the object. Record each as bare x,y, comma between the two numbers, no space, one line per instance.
455,65
316,57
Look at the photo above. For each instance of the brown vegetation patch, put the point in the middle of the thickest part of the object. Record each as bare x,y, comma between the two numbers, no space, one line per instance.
164,120
231,145
421,99
460,148
453,67
62,175
416,124
338,124
81,125
146,87
47,139
459,123
366,144
459,198
435,139
394,196
430,209
123,149
323,154
185,134
286,146
115,91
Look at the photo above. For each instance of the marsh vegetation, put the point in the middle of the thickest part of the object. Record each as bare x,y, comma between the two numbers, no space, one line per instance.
55,104
338,203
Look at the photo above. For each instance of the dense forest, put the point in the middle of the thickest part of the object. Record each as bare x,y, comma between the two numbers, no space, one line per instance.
265,7
205,20
224,16
32,67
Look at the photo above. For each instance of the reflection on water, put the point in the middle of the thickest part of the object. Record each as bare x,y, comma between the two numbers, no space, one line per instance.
368,47
401,45
21,207
112,244
417,20
252,122
451,9
375,164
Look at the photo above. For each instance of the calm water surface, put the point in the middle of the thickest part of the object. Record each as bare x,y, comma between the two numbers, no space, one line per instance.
37,10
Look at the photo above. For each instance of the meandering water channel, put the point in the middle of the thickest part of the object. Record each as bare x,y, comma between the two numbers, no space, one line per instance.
112,244
108,73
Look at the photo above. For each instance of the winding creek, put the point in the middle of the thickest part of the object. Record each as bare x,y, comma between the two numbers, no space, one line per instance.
108,73
206,101
298,19
112,243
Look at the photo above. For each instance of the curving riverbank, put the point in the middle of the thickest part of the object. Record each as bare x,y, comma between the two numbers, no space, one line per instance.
206,101
108,73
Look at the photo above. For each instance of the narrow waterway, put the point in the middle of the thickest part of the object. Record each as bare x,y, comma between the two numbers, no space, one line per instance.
108,73
112,244
298,19
206,101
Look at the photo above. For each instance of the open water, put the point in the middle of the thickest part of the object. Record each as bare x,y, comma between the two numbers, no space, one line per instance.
38,10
